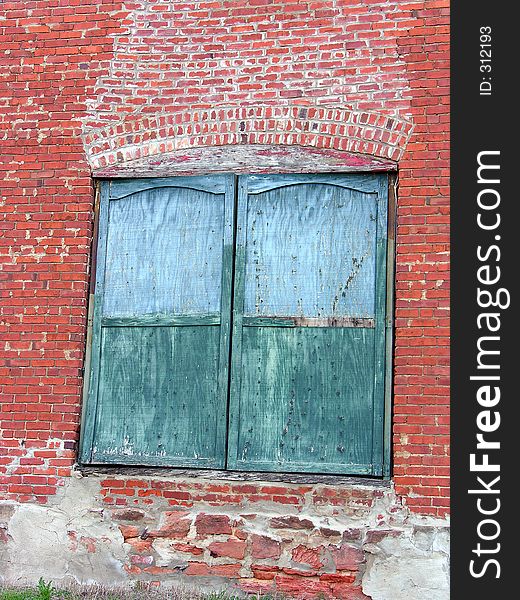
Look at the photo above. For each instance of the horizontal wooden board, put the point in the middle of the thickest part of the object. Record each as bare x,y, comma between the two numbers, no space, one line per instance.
161,321
155,385
307,322
216,184
238,158
360,182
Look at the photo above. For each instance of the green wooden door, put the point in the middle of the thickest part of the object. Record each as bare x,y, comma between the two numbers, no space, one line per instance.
303,332
308,341
160,354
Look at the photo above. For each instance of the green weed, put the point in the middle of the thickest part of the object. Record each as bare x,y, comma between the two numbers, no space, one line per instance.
45,590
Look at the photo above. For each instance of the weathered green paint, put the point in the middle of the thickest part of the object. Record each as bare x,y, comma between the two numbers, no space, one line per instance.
160,357
225,311
305,396
306,324
157,402
378,411
237,325
90,408
161,320
306,400
389,317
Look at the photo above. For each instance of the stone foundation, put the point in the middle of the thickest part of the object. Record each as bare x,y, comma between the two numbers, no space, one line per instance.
353,542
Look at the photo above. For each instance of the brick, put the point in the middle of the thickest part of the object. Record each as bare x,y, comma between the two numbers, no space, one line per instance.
129,531
374,536
265,572
173,525
292,584
308,556
128,514
188,548
140,545
291,523
207,524
347,557
230,548
328,99
203,569
264,547
138,559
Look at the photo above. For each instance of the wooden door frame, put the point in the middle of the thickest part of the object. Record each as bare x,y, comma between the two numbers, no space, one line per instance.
196,472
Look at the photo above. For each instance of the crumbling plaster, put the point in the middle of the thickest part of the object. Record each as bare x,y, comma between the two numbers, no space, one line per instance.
75,539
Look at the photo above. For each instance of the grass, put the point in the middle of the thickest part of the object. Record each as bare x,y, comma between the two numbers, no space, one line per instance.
46,591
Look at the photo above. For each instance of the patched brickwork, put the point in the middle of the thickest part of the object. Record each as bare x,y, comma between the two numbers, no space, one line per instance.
173,64
338,129
100,85
52,53
205,529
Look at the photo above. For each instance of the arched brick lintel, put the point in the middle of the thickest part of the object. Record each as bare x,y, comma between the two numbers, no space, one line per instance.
339,129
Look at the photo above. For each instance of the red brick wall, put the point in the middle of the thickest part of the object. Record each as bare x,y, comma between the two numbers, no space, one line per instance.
87,82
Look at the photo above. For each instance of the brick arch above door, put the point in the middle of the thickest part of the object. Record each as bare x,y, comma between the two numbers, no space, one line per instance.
337,138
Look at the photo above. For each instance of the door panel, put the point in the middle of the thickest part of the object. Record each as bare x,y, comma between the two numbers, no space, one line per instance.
164,253
310,252
303,402
157,395
160,355
307,389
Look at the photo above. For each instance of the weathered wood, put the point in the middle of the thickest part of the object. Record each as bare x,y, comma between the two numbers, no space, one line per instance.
307,380
216,184
158,384
360,182
158,396
164,253
378,410
303,398
235,375
310,250
233,476
307,322
306,399
161,320
390,274
240,158
90,407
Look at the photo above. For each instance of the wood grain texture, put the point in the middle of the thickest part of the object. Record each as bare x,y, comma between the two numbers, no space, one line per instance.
306,399
164,253
159,373
161,320
155,385
360,182
214,184
96,296
307,322
310,252
238,158
228,475
381,329
308,265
